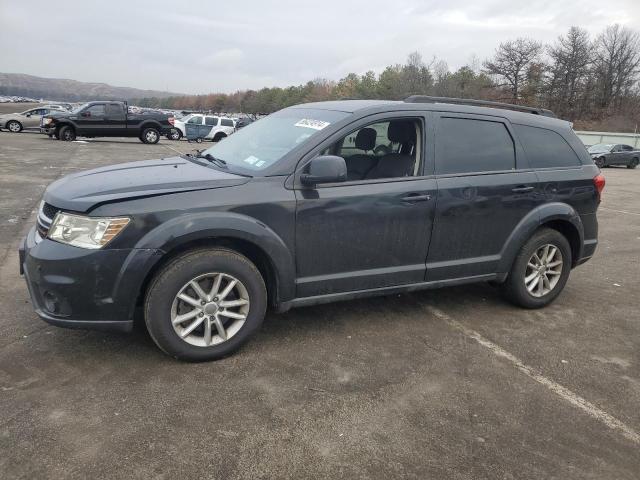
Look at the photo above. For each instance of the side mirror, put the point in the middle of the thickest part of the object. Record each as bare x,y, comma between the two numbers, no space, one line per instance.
325,169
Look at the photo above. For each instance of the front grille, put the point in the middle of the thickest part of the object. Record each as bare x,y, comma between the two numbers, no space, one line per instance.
46,214
49,210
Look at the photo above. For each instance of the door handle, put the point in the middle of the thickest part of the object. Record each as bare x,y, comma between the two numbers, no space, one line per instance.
522,189
416,197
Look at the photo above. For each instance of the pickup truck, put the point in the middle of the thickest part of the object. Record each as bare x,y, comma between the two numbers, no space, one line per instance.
106,119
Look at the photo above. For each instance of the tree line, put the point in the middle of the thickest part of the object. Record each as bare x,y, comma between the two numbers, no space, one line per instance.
591,81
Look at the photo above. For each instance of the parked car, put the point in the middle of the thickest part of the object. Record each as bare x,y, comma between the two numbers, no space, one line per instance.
221,127
106,119
605,154
27,120
297,209
243,122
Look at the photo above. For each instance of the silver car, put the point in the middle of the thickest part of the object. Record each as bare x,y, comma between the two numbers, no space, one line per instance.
27,120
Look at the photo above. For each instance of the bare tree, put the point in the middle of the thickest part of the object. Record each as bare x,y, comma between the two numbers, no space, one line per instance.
569,72
617,64
512,62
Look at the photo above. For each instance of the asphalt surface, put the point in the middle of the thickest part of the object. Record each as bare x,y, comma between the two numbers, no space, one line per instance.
450,383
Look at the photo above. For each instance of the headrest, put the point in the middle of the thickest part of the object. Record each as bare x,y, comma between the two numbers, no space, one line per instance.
366,139
401,131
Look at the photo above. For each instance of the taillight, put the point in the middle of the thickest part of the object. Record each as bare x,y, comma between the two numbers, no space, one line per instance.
598,182
171,120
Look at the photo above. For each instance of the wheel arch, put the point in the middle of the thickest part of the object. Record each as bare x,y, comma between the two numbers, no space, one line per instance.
240,233
558,216
150,124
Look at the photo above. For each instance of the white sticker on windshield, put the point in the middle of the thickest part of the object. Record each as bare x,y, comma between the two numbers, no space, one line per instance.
251,160
260,163
309,123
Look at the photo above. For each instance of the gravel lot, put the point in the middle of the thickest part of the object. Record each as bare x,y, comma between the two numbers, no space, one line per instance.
450,383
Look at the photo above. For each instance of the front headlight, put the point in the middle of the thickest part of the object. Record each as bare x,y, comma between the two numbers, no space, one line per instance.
47,121
85,232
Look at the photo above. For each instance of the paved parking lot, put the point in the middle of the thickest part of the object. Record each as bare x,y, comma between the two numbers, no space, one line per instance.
450,383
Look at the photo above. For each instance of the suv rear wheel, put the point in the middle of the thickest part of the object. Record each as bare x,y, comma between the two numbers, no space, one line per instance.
174,134
633,163
540,271
205,304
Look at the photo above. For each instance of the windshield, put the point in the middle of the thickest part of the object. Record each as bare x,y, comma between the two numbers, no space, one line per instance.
600,148
262,143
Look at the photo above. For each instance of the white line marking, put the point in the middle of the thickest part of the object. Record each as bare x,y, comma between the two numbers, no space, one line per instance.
619,211
563,392
175,150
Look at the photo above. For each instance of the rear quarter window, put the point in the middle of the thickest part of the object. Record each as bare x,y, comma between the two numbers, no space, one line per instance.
465,145
545,148
225,122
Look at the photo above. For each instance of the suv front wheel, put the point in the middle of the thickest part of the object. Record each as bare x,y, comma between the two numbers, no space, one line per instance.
205,304
540,271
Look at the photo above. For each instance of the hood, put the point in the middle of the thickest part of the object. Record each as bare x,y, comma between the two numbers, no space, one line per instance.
81,191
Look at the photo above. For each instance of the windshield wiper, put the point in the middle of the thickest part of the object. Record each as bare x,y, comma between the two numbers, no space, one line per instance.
215,160
218,161
207,156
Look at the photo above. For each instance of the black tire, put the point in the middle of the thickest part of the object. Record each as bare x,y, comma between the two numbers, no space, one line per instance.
218,136
514,287
174,134
14,126
150,136
600,161
67,134
169,281
633,163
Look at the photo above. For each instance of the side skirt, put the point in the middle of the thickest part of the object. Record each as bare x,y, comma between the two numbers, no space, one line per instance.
375,292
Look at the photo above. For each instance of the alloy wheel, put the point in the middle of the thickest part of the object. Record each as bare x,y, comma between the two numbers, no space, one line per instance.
210,309
14,127
543,271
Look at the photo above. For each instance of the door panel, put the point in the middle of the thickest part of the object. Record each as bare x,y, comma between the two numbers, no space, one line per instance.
362,236
474,218
91,121
477,210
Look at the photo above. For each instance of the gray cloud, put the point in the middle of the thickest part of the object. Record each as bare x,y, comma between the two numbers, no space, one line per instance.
202,46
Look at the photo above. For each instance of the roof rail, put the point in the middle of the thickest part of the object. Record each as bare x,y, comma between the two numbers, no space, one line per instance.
479,103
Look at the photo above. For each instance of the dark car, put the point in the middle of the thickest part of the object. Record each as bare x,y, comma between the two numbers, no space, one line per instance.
606,154
107,119
297,209
243,122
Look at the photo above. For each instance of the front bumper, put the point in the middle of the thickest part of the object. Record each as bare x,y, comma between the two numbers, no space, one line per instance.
80,288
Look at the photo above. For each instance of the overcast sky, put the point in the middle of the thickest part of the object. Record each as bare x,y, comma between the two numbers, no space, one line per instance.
201,46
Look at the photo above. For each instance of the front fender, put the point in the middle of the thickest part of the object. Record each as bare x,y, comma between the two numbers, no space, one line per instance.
530,223
208,225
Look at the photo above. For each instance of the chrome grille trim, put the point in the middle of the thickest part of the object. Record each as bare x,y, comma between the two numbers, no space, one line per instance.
44,220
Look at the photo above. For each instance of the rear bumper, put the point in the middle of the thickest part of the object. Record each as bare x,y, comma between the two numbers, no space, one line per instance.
77,288
588,250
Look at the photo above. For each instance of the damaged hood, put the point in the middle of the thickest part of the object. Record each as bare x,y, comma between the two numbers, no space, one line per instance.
81,191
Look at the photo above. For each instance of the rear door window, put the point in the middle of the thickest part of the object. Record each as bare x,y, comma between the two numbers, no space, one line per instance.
466,145
114,109
545,148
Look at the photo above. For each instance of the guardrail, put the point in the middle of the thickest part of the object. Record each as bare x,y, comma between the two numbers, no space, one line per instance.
591,138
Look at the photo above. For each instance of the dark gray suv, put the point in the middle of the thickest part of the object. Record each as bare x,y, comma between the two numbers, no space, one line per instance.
316,203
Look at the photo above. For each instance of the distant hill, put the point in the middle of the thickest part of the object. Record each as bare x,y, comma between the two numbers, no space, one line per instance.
70,90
